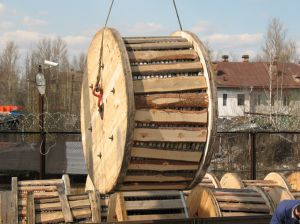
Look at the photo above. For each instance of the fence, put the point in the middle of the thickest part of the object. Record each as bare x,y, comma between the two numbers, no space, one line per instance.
252,155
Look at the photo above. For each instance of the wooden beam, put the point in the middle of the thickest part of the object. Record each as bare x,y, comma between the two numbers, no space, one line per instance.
155,178
182,67
15,204
94,198
154,204
170,135
171,116
40,182
66,210
156,217
166,154
173,84
151,194
154,186
159,46
67,185
54,217
161,167
121,211
171,100
153,40
154,56
243,207
240,199
30,208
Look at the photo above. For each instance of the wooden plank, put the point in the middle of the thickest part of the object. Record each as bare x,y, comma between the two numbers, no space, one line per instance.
111,211
166,154
172,84
170,135
240,199
154,56
155,178
171,100
148,186
242,207
14,192
183,67
57,205
54,217
65,205
231,214
67,186
153,40
151,194
121,208
40,182
155,217
37,188
30,209
235,193
153,204
94,198
165,166
39,195
171,116
159,46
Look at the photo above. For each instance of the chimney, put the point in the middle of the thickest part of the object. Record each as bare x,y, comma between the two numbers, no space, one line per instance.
245,58
225,58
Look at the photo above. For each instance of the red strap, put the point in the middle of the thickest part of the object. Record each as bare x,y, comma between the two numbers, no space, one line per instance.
99,95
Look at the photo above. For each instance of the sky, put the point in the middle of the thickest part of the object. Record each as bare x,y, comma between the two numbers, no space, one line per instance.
233,27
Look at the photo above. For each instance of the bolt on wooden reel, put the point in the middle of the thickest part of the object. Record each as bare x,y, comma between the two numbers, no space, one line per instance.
157,123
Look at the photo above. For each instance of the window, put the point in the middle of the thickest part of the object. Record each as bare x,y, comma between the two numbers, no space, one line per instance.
240,99
286,100
258,102
224,99
272,100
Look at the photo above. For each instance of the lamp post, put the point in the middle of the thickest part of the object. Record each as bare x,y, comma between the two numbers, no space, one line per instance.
41,86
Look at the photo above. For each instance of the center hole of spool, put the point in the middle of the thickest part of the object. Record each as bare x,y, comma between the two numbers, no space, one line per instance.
101,111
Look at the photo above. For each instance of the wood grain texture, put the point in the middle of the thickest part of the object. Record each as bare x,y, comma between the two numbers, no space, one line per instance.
170,135
171,100
153,56
159,46
171,116
173,84
167,68
139,40
166,154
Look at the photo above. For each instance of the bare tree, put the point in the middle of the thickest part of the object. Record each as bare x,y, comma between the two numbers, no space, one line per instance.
9,72
277,52
277,45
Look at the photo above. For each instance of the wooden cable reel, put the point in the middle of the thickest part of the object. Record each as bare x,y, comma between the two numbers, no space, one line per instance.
147,205
159,112
205,202
232,180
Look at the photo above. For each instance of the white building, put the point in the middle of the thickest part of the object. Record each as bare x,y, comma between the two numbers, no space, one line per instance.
244,88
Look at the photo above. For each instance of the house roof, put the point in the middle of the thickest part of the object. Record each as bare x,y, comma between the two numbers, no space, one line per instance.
255,74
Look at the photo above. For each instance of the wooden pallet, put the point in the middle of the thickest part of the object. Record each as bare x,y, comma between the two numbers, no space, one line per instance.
84,208
147,205
38,189
159,110
205,202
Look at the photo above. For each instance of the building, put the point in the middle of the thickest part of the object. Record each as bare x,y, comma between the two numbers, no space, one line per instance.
257,88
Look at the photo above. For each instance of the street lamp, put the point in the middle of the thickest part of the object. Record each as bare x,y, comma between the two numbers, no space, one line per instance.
41,86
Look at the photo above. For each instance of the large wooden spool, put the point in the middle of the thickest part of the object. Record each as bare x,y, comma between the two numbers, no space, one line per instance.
205,202
233,181
146,206
157,125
